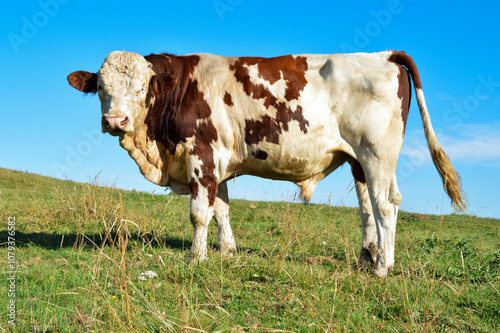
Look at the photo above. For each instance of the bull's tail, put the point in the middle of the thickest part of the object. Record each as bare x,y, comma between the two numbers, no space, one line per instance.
452,181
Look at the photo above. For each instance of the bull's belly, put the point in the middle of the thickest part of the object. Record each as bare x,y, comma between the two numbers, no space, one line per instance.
294,167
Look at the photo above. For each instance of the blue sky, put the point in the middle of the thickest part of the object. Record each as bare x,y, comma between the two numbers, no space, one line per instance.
49,128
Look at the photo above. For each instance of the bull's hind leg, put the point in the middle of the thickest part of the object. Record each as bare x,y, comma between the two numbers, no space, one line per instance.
385,199
369,247
395,200
226,239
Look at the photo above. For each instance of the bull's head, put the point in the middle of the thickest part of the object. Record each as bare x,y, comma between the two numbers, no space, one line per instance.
126,85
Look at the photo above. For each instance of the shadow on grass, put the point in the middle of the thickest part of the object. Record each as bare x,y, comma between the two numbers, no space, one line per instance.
55,241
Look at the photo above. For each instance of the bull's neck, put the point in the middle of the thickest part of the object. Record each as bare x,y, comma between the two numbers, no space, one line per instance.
149,156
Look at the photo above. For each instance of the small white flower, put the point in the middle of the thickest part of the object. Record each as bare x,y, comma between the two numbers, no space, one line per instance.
147,275
150,274
323,242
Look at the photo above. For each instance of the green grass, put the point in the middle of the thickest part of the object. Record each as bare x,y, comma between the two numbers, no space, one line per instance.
80,249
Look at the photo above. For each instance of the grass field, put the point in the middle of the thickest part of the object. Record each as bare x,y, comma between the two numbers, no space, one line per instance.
96,259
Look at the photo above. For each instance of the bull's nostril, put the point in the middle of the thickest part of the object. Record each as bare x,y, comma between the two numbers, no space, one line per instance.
124,122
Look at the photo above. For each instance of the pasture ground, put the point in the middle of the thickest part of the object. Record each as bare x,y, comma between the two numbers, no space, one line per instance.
82,254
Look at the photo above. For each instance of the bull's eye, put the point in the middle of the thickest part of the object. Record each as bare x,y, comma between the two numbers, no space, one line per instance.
99,87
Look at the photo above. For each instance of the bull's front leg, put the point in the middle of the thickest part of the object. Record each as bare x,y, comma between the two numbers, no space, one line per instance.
203,186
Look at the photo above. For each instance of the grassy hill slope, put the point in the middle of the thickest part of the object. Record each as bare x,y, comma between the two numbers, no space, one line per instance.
82,254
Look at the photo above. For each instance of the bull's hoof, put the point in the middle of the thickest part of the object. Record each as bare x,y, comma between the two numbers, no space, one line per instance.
193,258
228,253
228,250
380,272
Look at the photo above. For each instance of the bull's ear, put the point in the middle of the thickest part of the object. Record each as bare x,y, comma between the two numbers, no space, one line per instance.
84,81
162,84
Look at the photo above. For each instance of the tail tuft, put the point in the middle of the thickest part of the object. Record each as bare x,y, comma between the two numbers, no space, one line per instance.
452,182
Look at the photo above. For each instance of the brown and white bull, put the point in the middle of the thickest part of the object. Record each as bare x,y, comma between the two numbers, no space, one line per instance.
193,122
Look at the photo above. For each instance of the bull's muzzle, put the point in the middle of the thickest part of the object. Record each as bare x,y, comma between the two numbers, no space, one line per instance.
114,124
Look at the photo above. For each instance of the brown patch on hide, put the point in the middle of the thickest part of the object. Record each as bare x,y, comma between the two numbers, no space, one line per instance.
172,117
292,71
404,94
227,99
193,188
260,154
404,89
203,150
